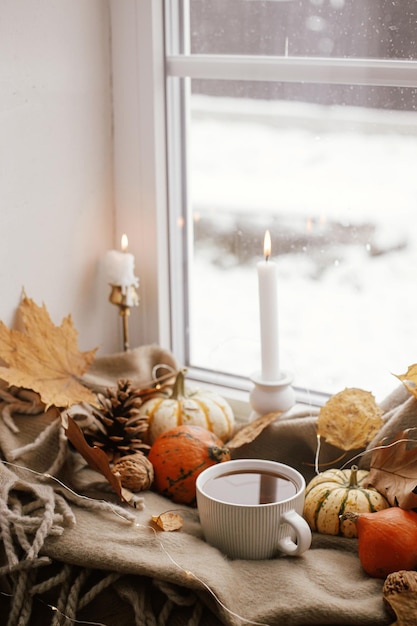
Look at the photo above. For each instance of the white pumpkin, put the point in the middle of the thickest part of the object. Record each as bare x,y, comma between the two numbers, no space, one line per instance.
198,408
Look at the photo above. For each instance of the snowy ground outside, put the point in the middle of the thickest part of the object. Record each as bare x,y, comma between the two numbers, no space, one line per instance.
338,190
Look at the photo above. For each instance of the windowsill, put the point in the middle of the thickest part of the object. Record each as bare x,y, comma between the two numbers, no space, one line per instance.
239,398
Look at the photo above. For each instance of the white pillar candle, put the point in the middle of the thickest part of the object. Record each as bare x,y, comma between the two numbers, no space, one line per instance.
268,309
120,266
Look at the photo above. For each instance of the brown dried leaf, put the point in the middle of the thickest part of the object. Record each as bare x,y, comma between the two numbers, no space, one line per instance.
168,521
393,469
95,457
45,358
251,431
349,419
409,379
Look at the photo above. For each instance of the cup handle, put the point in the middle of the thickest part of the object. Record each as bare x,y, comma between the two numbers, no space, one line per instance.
303,533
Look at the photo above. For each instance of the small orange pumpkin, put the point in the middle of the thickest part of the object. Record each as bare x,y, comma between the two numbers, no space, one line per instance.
387,540
179,455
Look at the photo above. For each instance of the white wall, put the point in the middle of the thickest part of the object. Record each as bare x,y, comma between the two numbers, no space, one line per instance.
56,175
140,158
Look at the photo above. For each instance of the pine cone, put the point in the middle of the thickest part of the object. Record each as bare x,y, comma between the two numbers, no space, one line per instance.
117,426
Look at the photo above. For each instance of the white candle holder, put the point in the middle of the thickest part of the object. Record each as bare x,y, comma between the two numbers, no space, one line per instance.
268,396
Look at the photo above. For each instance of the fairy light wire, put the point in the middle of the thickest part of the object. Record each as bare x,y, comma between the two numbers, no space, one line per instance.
55,609
112,507
71,619
386,446
381,447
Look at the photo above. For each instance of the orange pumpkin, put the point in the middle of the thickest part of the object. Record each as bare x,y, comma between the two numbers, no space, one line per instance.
387,541
179,455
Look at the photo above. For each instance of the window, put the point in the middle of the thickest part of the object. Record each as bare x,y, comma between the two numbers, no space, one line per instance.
297,116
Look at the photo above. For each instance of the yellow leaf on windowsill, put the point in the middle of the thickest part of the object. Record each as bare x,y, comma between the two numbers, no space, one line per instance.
349,419
45,358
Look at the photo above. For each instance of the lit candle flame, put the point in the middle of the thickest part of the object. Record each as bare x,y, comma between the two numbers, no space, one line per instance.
267,245
124,242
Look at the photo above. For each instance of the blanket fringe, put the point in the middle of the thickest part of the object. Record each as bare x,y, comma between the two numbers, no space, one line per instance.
26,520
175,597
75,588
21,607
69,582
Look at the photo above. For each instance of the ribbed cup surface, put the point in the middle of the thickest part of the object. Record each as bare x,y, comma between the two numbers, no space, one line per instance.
247,531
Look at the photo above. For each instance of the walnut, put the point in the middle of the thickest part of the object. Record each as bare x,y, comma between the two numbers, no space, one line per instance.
135,472
400,597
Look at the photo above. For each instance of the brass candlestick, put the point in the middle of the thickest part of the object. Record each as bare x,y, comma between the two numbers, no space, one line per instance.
124,298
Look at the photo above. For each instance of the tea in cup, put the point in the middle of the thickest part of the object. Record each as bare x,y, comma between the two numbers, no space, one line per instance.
252,509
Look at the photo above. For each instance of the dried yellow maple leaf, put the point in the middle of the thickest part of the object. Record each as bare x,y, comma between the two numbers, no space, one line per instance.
45,358
349,419
409,379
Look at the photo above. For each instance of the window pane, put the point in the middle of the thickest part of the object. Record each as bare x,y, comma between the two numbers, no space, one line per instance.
327,28
335,184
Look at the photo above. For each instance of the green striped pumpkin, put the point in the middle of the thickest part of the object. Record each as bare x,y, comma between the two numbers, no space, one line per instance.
334,492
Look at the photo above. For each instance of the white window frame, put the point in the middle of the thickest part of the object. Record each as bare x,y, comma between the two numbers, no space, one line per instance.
373,72
144,153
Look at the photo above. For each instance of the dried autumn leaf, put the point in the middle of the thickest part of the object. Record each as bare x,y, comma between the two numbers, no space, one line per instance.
45,358
393,469
95,457
349,419
251,431
409,379
168,521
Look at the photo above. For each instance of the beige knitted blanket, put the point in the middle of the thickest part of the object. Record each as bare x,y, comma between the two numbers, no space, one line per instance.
72,554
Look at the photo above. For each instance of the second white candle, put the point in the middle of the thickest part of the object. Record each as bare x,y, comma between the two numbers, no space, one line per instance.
268,310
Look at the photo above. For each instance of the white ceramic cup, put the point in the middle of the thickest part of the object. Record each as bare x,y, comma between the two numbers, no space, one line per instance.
246,526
